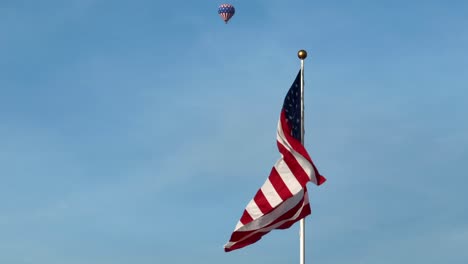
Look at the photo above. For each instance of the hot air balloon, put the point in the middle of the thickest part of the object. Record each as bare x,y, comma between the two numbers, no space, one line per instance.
226,11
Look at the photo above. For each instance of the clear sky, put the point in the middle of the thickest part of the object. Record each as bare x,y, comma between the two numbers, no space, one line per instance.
137,131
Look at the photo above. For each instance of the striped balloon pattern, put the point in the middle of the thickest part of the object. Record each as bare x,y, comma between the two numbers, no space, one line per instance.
226,11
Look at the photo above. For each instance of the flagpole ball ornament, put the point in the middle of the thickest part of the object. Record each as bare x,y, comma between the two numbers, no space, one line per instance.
302,54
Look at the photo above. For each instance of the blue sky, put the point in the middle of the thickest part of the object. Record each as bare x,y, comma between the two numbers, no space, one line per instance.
137,131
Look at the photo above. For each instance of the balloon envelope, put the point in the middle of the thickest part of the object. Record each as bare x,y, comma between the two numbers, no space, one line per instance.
226,11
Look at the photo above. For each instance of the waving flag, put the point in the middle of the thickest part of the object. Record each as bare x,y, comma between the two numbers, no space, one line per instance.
283,198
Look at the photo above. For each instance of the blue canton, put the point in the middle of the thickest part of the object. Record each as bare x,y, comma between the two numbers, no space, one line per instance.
292,107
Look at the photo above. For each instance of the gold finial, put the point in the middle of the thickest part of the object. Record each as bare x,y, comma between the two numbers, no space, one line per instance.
302,54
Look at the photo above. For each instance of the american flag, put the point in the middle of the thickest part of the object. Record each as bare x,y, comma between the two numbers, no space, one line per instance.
283,198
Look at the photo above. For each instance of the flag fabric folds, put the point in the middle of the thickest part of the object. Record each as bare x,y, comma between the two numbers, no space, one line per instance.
283,199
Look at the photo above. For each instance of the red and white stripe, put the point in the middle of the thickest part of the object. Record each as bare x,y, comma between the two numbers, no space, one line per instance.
283,198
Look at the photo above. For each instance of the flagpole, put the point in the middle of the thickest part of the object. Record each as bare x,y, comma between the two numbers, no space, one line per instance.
302,54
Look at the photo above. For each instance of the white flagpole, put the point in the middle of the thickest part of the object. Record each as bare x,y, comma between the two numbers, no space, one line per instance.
302,54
